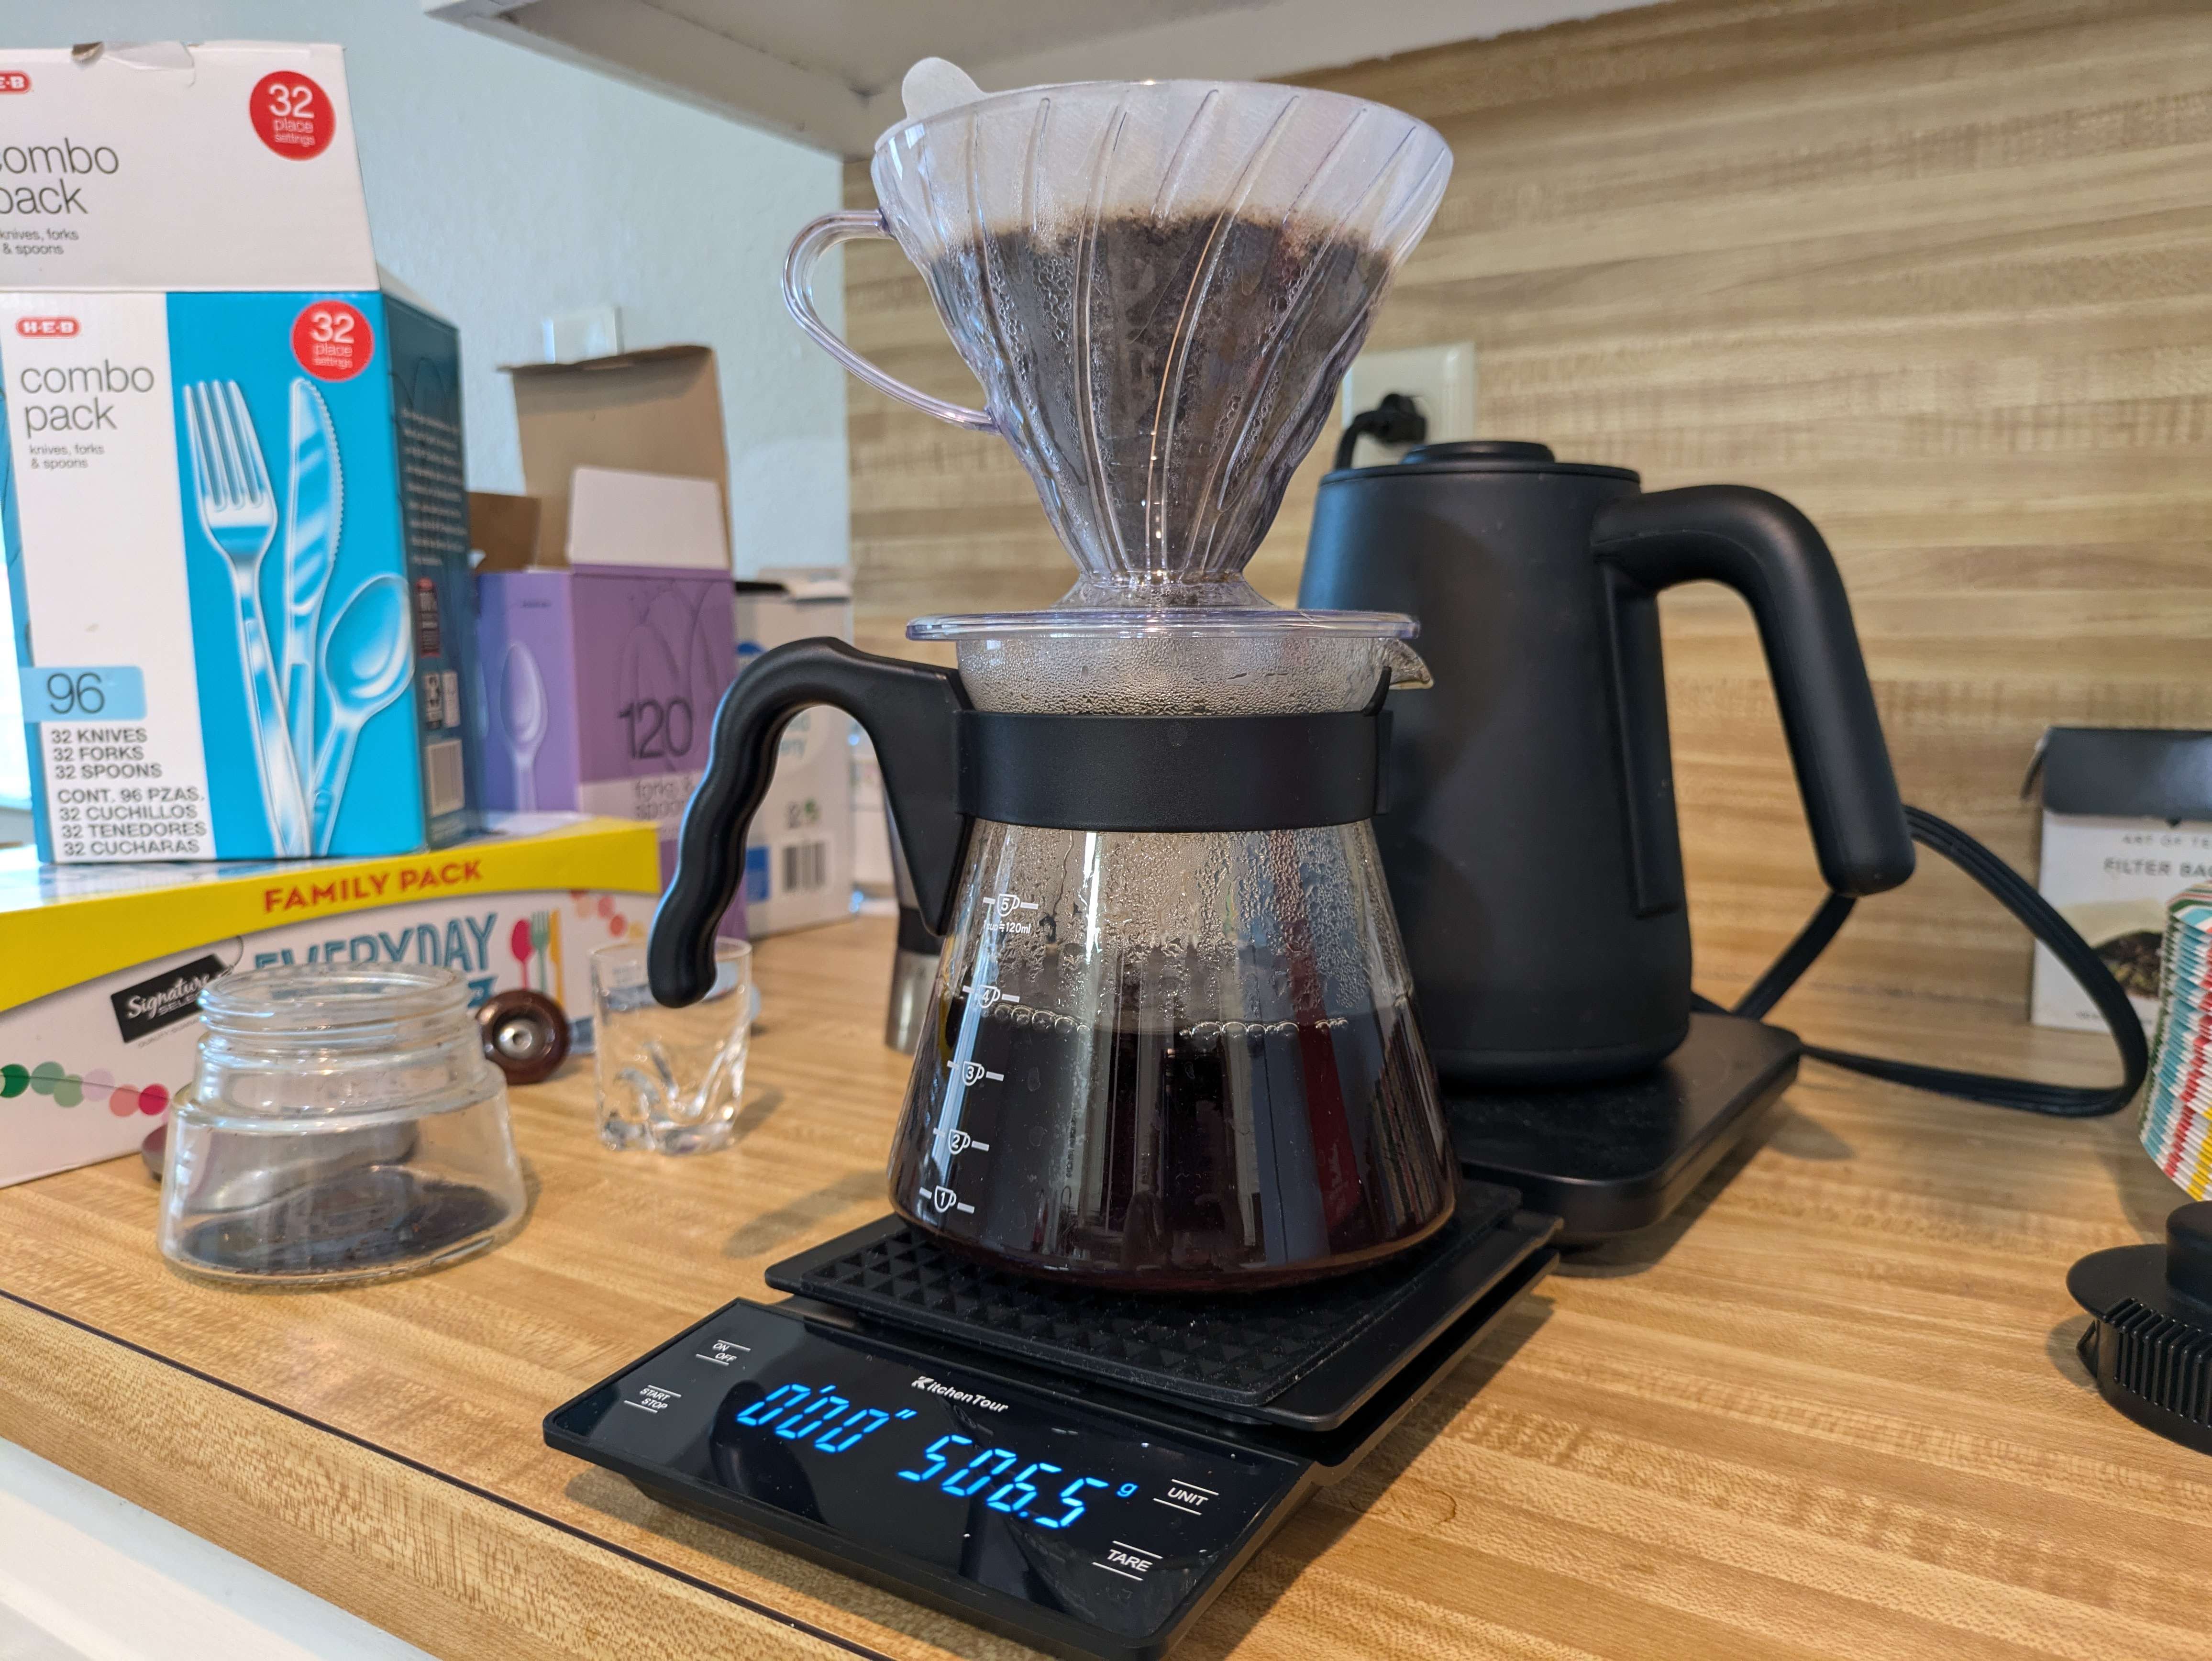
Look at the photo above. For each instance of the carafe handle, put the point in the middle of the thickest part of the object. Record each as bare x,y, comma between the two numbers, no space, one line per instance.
910,712
816,240
1770,553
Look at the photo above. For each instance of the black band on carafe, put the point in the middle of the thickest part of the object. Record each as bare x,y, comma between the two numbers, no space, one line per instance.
1173,772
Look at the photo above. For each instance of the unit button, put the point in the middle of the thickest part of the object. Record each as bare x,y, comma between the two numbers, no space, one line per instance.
1131,1562
1186,1496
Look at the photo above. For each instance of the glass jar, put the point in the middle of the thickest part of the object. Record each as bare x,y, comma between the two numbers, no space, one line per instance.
344,1125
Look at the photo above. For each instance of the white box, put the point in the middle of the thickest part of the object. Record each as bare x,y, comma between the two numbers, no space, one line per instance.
227,164
617,517
2127,824
798,854
100,991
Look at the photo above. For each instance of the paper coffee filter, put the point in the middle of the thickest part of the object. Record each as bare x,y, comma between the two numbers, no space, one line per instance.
1054,158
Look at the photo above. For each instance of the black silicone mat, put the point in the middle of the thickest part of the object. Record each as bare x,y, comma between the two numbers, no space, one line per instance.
1242,1352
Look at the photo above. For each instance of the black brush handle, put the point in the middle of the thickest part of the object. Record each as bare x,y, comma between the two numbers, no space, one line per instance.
910,712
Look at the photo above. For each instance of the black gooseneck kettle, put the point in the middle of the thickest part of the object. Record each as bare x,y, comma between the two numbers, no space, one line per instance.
1531,845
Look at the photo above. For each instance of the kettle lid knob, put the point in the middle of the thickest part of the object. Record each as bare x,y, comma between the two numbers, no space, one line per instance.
1479,449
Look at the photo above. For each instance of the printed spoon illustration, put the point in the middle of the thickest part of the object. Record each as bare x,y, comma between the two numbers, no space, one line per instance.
365,662
522,713
520,943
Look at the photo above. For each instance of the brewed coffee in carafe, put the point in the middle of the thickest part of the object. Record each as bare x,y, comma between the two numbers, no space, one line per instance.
1170,1045
1133,1081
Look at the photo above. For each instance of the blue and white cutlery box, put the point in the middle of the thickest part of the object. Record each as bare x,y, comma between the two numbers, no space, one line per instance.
235,516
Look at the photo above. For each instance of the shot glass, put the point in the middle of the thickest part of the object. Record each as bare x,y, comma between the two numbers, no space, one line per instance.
670,1079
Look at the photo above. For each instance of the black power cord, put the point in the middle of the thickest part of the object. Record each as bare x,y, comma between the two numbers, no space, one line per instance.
1397,420
2005,886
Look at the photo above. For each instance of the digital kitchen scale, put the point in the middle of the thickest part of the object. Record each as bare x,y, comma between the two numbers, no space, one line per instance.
1080,1470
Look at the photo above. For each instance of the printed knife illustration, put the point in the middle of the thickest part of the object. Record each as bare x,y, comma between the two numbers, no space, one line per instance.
314,504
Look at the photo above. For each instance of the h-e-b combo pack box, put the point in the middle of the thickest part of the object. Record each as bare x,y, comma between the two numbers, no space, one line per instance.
235,513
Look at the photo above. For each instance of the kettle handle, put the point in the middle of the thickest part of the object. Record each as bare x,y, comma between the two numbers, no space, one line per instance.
910,713
1766,550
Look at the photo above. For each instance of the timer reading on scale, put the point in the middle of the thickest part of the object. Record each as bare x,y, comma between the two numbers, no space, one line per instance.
831,1424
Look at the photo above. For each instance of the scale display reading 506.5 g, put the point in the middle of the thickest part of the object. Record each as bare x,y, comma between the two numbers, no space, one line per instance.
828,1423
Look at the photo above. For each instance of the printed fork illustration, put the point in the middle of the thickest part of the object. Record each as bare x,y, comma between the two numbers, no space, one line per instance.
238,511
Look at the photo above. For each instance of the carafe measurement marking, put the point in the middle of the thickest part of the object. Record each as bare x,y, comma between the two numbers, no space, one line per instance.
959,1141
948,1201
1000,908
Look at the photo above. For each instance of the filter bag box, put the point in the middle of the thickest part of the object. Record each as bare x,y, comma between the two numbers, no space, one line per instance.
2127,824
235,517
799,855
99,987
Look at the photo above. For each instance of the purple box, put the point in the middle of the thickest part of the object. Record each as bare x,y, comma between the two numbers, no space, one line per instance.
601,684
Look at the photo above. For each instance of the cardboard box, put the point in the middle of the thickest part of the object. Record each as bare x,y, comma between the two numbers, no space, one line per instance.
607,657
655,411
798,856
234,516
99,994
2127,824
502,530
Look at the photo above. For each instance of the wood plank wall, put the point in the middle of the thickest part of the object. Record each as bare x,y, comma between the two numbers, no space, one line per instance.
1938,270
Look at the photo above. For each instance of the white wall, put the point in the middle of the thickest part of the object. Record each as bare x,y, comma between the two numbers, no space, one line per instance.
504,185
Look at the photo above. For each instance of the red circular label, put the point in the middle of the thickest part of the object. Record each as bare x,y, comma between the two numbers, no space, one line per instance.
293,115
332,340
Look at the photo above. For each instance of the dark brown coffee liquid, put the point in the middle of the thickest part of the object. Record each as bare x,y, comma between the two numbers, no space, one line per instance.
1204,1157
1161,380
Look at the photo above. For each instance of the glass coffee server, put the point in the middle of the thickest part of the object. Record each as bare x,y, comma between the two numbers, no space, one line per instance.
1170,1045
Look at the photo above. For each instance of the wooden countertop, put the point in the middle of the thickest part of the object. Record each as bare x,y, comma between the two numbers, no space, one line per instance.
1831,1409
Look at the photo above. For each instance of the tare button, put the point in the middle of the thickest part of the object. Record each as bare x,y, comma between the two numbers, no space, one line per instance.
1131,1562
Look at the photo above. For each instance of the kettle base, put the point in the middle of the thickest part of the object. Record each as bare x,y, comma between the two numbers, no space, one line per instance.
1610,1159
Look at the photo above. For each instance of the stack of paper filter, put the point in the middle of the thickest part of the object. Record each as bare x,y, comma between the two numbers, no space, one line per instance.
2178,1102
